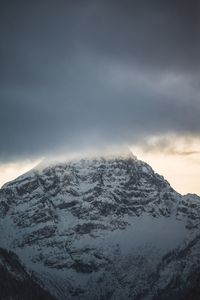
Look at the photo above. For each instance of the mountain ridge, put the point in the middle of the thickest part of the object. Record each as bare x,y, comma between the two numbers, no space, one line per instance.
84,226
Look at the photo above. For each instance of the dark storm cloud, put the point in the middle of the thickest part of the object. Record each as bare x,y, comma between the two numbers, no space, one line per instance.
83,73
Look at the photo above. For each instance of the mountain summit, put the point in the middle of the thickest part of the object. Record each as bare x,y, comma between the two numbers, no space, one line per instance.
103,228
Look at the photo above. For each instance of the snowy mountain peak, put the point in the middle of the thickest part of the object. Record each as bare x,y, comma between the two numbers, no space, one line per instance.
101,228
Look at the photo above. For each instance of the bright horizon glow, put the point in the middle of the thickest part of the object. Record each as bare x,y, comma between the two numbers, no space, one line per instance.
178,163
10,171
182,173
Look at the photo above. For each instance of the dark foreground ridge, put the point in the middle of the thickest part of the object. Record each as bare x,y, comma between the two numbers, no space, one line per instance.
16,283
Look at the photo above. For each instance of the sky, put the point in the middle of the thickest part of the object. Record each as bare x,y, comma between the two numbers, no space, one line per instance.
76,75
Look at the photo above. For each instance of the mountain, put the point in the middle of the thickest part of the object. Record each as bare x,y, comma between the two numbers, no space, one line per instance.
103,228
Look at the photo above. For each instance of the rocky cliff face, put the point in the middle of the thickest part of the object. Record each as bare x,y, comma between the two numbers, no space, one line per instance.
103,229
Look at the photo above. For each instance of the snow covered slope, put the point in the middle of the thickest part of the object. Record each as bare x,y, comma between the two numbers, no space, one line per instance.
103,228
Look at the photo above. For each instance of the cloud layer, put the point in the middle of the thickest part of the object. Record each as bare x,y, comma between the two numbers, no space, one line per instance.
78,74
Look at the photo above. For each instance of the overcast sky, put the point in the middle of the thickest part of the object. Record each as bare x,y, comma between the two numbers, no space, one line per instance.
80,74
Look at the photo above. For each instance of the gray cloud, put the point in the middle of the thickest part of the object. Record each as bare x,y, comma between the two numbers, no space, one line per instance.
83,73
185,145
